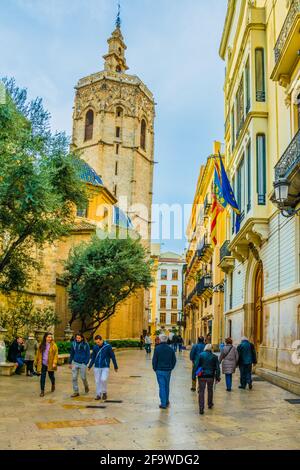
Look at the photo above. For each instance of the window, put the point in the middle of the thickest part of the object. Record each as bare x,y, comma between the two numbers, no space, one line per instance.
205,304
232,129
240,116
117,149
232,212
241,185
210,301
261,168
247,87
164,274
163,303
89,124
82,211
174,304
260,75
230,291
115,190
173,318
174,290
230,328
143,134
118,132
248,176
118,69
163,289
116,168
119,111
163,318
174,275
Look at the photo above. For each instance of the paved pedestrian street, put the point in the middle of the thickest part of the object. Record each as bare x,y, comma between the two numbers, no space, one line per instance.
257,419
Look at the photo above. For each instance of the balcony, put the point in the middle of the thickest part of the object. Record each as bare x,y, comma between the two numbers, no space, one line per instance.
226,260
287,46
288,169
254,232
207,204
205,249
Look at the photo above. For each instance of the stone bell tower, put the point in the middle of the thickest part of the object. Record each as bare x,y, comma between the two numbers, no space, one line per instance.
113,128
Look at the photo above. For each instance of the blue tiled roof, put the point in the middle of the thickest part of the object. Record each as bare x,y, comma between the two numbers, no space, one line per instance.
88,174
121,219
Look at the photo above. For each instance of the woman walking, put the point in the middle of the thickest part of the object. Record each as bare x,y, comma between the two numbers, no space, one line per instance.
229,358
46,361
31,347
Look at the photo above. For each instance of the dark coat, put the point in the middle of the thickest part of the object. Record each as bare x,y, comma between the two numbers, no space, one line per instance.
101,357
210,365
196,350
15,351
80,352
247,354
164,358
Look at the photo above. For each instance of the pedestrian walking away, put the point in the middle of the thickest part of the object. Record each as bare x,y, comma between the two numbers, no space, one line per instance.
163,362
247,357
79,359
180,343
101,357
229,359
142,342
46,361
208,363
15,354
148,343
196,350
30,347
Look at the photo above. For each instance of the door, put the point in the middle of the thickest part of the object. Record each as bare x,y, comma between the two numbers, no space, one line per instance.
258,308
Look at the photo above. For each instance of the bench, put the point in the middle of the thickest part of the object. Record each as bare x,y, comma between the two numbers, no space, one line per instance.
7,368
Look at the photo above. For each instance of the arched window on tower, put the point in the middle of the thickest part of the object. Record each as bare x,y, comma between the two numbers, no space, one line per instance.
119,112
143,134
89,124
118,69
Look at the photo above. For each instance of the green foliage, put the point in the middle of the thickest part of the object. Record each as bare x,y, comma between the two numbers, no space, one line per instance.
40,183
64,347
101,274
21,318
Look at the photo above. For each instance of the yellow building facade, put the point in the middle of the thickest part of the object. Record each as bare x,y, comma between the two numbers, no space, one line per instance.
203,284
260,46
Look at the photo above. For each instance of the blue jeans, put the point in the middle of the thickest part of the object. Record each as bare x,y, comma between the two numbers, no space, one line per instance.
228,378
20,363
175,345
163,379
148,348
246,374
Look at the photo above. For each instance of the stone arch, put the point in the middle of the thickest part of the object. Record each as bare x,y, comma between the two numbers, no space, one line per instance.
254,286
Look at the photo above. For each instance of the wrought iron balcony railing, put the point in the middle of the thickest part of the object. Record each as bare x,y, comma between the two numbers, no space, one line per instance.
289,159
284,33
203,246
224,252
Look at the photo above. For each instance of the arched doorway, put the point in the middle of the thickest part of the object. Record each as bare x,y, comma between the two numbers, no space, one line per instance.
258,307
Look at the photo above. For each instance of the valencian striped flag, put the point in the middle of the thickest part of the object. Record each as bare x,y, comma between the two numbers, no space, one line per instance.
228,194
218,204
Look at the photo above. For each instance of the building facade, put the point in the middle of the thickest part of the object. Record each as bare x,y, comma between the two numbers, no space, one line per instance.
166,293
260,46
204,281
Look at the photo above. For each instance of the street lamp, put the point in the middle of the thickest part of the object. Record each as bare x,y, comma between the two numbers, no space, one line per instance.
281,187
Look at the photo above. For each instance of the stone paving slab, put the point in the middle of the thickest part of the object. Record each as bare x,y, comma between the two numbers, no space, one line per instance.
257,419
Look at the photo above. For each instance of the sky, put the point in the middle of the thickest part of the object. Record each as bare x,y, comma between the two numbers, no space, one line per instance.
172,45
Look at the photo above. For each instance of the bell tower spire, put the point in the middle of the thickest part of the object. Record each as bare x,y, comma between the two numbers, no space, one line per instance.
115,58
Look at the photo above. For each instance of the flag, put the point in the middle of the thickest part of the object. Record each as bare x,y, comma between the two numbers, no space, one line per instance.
228,194
218,203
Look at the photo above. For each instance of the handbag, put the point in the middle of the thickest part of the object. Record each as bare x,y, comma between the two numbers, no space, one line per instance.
199,372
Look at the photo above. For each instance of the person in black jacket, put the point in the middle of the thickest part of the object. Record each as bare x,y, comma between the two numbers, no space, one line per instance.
247,357
15,353
210,373
163,362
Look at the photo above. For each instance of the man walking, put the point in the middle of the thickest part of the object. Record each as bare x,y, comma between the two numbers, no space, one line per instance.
148,343
247,357
79,359
196,350
210,373
101,357
163,362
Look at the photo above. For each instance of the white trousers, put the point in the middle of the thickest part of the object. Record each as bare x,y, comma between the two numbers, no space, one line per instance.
101,378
